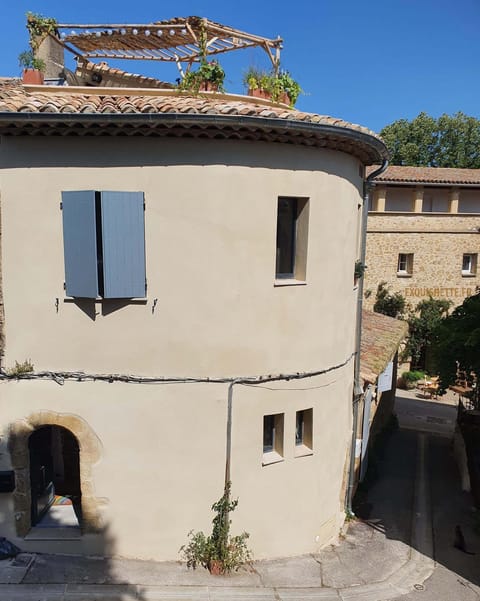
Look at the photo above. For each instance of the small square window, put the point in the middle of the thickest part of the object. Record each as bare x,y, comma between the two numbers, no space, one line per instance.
292,235
272,438
469,264
405,264
304,432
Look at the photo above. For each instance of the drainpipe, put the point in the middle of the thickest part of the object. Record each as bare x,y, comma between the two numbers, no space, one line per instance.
357,387
228,454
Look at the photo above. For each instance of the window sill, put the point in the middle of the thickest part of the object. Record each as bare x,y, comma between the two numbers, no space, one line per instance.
302,450
288,282
468,274
403,274
271,457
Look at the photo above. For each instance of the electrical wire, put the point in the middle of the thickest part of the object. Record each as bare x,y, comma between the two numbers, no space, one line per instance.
60,377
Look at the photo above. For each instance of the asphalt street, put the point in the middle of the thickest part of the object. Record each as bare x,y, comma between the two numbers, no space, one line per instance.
456,576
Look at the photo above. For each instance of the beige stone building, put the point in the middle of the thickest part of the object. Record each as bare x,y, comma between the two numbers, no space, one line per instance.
424,233
177,275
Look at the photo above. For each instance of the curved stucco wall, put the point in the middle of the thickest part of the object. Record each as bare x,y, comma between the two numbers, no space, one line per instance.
210,248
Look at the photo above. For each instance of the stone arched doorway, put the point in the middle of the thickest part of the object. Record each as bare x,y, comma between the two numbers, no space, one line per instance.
54,455
89,451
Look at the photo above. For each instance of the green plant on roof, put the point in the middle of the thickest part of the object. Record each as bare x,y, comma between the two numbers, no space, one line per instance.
39,27
210,75
273,84
27,60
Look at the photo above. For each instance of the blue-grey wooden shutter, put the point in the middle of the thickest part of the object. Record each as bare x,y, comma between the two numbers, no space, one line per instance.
80,243
123,243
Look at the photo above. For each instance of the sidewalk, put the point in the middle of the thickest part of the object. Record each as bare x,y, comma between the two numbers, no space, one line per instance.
366,565
381,558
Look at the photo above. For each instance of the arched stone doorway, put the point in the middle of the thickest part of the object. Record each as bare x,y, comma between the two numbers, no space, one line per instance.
89,452
54,475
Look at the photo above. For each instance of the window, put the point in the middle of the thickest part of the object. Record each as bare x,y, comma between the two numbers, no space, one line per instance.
469,264
304,432
272,438
104,244
292,234
405,264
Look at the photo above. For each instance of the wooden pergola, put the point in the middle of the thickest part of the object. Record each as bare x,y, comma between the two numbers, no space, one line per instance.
180,40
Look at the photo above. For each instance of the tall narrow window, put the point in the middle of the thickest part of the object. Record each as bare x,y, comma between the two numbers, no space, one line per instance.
272,438
469,264
304,432
405,264
292,237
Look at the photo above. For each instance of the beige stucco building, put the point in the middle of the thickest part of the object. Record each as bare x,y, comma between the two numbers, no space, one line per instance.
423,233
178,273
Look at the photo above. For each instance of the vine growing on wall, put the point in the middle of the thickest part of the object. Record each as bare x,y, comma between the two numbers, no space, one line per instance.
39,27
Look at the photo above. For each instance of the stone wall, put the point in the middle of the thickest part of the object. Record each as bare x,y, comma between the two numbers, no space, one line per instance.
437,241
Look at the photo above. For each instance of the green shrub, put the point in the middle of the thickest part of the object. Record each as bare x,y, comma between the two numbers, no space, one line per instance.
230,552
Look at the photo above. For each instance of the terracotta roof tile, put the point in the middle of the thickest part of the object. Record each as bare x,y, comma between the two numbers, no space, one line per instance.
381,337
71,101
428,175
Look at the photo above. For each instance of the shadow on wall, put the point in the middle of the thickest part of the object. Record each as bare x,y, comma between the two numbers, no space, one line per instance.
385,499
92,307
58,151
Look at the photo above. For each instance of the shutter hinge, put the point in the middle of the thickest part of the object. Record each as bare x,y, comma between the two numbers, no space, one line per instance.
61,206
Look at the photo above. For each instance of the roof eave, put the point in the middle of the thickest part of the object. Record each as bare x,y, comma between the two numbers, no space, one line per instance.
367,148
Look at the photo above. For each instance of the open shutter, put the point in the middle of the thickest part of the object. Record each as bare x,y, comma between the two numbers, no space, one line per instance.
80,243
123,243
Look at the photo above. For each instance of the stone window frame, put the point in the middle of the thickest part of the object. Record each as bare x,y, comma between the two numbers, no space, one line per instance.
405,265
472,269
90,449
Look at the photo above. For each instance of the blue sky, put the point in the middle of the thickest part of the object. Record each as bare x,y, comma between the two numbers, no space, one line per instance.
366,62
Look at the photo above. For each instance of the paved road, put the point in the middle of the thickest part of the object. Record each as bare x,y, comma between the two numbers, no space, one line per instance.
457,575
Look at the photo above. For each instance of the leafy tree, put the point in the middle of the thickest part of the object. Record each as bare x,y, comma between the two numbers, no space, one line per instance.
392,304
457,338
449,141
422,323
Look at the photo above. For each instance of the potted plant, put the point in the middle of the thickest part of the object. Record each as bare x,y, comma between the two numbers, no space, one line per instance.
33,68
208,77
289,86
409,379
359,271
219,552
270,86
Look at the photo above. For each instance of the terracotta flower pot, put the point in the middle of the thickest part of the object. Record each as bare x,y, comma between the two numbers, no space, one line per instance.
208,86
259,93
32,77
215,567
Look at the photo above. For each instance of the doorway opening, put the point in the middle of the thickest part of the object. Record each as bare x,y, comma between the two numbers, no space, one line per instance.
55,478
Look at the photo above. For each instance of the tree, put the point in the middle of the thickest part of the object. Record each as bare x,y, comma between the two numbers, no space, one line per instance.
392,304
457,338
422,323
449,141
